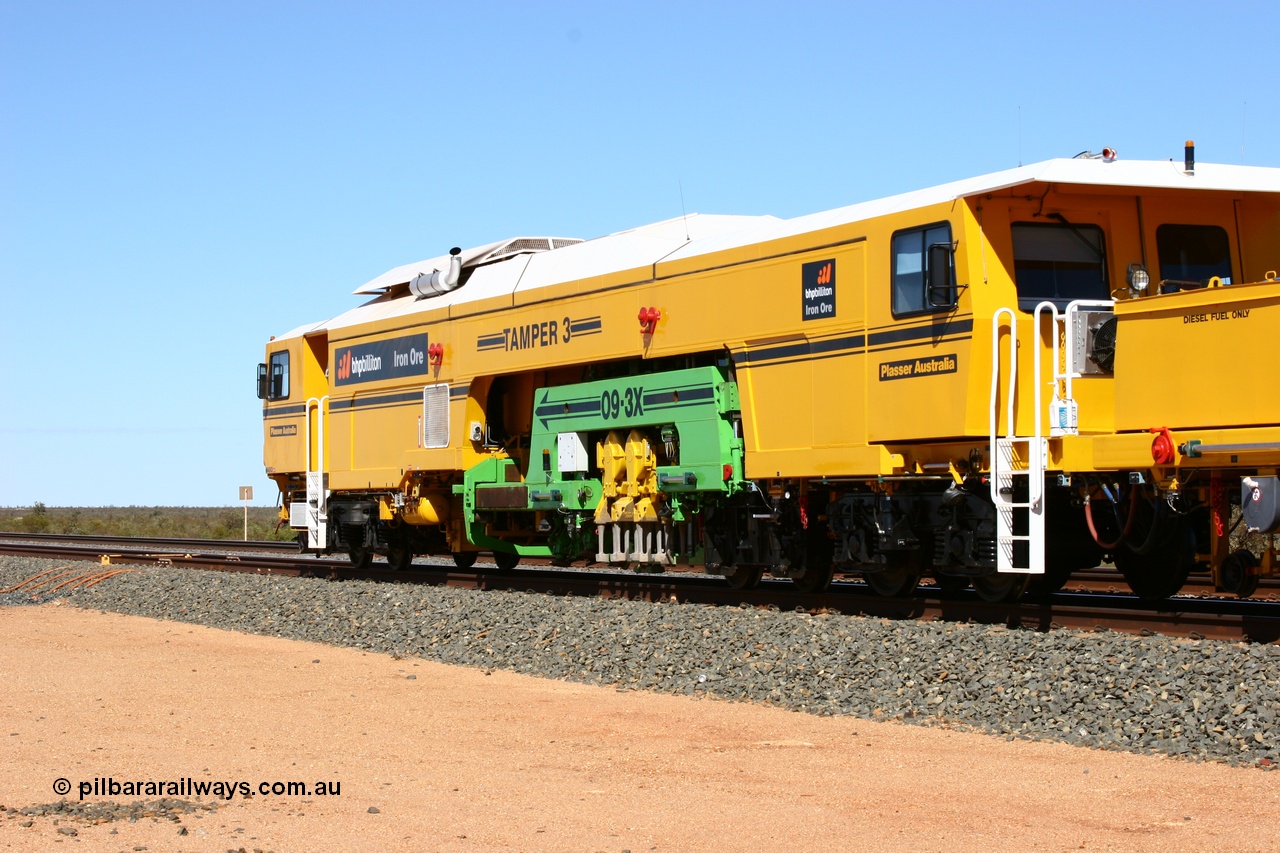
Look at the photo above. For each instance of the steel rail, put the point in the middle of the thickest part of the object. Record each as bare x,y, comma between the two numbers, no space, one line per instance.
1198,617
156,542
1103,579
1100,579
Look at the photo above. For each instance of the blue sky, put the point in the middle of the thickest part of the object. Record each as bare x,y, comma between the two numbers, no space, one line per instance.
181,180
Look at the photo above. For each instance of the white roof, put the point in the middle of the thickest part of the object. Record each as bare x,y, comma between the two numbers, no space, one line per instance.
1118,173
696,234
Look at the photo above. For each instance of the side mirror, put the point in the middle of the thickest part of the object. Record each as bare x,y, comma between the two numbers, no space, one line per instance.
942,290
262,382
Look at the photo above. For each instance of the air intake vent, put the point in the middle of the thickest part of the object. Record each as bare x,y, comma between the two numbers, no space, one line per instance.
435,416
526,246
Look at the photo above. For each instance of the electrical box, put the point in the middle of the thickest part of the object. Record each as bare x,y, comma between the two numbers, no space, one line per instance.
571,452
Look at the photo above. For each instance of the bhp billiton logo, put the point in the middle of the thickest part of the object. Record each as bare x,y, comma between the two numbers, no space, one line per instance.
818,290
374,361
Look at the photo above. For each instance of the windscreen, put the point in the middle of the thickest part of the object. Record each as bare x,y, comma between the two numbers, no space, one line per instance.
1059,263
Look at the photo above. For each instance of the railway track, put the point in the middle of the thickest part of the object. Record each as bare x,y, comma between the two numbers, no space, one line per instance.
134,543
1103,579
1086,604
1100,579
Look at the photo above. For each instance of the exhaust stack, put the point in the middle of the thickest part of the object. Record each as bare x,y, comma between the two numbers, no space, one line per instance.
437,282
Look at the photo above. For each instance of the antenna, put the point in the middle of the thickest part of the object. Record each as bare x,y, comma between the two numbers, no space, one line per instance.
683,213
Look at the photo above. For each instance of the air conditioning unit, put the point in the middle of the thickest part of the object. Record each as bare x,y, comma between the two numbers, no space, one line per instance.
1094,348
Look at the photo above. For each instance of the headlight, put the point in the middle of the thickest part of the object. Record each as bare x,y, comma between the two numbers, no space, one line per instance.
1139,278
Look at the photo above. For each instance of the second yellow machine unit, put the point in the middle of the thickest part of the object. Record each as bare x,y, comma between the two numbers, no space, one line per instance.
992,382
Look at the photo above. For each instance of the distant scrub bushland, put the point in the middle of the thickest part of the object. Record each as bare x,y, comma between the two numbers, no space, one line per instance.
170,522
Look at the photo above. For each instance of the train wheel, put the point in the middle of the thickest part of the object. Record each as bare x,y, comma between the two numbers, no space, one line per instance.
743,577
817,558
399,557
998,588
815,578
1163,570
464,559
1237,576
899,577
1073,550
505,560
361,556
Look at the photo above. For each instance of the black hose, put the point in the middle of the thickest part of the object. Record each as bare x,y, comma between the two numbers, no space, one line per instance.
1158,519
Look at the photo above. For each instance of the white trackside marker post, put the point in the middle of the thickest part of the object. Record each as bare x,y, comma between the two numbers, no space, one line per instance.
246,495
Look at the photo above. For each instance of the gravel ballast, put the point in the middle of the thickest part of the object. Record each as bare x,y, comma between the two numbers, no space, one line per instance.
109,811
1195,699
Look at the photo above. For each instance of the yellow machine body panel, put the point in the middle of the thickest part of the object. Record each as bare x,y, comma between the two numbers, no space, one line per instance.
288,421
829,395
889,351
1183,355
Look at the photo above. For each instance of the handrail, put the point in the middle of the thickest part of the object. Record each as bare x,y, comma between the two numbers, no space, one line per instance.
1036,361
1063,375
1072,307
319,405
995,369
318,515
994,484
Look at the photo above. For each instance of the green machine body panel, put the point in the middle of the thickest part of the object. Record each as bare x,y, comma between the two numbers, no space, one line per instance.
690,416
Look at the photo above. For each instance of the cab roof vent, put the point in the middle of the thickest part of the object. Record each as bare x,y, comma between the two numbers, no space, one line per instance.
523,246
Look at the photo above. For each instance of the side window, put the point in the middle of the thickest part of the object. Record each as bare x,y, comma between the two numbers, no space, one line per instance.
1059,263
279,377
1190,255
911,267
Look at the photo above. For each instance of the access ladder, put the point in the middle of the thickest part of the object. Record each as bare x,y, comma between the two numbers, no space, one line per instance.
1018,463
317,481
1017,468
